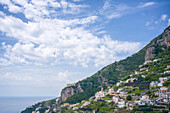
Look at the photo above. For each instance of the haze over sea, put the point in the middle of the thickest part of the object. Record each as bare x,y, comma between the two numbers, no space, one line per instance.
17,104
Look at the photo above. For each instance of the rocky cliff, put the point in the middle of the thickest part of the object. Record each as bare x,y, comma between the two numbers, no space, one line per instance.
163,41
68,92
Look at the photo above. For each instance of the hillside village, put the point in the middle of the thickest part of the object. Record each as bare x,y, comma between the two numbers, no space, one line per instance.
123,97
130,98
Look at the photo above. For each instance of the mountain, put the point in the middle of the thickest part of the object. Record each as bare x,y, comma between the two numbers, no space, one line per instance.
108,76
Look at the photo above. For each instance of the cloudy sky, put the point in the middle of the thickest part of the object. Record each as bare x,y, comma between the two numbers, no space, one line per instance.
45,44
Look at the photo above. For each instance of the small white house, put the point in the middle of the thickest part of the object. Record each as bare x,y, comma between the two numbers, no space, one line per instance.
166,72
121,104
143,76
115,99
160,84
153,83
163,79
111,91
118,91
75,108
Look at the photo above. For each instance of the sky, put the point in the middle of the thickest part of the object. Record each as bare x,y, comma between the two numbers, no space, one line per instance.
46,44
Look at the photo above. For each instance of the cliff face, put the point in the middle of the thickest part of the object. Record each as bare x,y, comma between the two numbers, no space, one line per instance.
163,42
68,92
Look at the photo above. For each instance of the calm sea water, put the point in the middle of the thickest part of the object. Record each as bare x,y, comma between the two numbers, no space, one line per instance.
17,104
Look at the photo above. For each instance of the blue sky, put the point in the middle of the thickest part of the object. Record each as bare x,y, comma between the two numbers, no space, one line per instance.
45,44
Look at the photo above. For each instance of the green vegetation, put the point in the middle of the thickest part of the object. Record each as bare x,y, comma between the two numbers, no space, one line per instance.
128,98
102,106
108,97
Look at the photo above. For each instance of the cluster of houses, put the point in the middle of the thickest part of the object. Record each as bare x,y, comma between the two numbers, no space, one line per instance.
160,82
127,81
119,96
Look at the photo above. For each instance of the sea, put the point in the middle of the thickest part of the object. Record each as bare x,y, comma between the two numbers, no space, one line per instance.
18,104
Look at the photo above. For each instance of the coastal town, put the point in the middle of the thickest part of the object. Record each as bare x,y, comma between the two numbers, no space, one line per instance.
126,97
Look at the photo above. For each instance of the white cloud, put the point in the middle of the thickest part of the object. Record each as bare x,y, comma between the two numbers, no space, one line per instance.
147,24
111,10
35,80
11,76
10,6
143,5
163,17
52,40
77,0
169,21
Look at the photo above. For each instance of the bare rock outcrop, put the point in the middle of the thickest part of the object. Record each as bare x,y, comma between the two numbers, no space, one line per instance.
68,92
163,40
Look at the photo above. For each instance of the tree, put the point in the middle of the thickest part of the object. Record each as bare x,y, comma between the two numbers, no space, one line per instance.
128,98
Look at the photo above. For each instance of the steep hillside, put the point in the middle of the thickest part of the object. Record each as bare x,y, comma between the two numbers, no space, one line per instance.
109,75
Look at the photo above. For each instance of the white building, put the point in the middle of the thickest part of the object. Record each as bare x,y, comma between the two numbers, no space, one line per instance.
156,60
145,100
115,99
145,97
160,84
147,62
85,104
118,91
100,94
166,72
163,79
121,104
111,91
143,76
153,83
75,108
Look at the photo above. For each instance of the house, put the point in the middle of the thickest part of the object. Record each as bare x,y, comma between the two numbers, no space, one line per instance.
66,104
163,79
119,83
75,108
131,75
82,101
137,72
153,83
118,91
72,84
141,103
168,66
142,69
163,92
160,84
111,91
166,72
156,60
85,104
115,99
133,79
145,100
100,94
130,104
143,76
140,66
121,104
147,62
145,97
72,105
123,94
